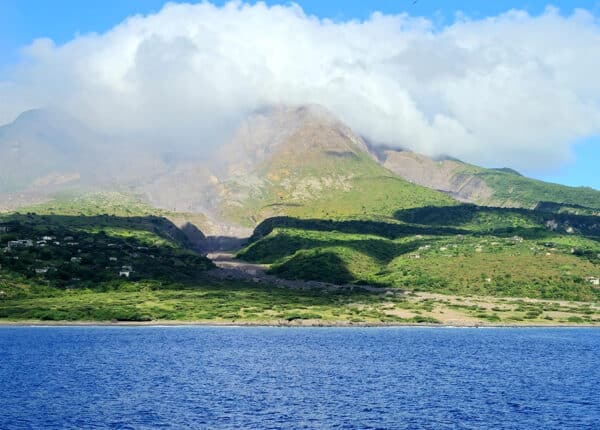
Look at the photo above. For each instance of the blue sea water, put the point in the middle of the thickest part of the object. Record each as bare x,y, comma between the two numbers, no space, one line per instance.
262,378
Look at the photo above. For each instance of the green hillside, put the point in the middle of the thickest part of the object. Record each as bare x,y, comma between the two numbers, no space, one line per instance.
323,180
461,250
503,187
323,209
511,188
465,252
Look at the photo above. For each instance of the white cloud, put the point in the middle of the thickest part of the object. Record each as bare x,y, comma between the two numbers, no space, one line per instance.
513,90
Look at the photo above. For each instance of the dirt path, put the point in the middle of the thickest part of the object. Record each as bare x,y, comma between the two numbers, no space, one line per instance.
230,268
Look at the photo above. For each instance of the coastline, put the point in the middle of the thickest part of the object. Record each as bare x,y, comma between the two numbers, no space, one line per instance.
324,324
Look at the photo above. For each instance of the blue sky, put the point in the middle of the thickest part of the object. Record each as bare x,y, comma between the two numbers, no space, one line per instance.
22,21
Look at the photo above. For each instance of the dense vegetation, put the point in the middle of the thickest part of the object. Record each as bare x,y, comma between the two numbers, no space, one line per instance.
94,252
205,299
458,250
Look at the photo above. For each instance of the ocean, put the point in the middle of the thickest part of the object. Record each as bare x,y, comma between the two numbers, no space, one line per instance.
272,378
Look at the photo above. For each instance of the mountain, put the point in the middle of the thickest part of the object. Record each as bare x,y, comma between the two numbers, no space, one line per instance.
491,187
43,152
42,148
305,162
296,161
318,203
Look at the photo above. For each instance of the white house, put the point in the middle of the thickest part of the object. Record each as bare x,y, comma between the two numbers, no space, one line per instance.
125,271
75,260
41,270
23,243
594,280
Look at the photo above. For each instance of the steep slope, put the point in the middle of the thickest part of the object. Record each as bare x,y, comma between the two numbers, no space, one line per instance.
44,152
304,162
297,161
41,149
493,187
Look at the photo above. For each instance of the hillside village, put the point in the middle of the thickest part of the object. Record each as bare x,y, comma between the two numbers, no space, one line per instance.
67,258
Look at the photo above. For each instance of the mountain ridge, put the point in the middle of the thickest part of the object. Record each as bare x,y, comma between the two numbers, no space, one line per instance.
280,161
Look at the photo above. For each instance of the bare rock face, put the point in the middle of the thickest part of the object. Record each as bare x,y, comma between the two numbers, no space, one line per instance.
448,176
291,151
286,155
279,130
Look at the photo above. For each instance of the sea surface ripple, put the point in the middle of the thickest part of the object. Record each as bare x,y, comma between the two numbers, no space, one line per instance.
272,378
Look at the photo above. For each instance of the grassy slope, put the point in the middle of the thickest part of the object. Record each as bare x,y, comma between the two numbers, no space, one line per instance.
512,189
321,184
457,250
92,204
168,283
369,241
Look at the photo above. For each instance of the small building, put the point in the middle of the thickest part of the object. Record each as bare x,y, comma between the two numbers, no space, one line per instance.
112,258
67,238
517,239
22,243
75,259
594,280
49,238
125,271
41,270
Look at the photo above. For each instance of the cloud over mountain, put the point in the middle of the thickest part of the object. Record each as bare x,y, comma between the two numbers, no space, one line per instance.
513,89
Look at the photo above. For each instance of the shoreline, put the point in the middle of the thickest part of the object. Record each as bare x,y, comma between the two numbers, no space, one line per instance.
325,324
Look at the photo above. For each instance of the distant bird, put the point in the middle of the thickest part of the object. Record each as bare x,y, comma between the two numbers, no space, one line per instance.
415,1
